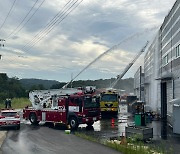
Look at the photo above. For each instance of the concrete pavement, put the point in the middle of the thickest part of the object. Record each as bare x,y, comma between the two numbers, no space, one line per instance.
2,138
43,140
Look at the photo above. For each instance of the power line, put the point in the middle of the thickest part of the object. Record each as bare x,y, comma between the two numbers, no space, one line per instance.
30,17
50,28
23,19
8,14
57,22
15,60
53,26
47,25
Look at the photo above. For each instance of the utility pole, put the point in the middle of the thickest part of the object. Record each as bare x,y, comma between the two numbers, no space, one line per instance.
71,79
2,41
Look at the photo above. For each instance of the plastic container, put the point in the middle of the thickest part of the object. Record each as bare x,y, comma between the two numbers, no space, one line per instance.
67,131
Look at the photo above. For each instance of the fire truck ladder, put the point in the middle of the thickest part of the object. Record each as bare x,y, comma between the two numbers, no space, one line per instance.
120,76
40,97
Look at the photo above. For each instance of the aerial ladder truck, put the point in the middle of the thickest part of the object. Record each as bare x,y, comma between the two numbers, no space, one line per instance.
120,76
110,98
68,106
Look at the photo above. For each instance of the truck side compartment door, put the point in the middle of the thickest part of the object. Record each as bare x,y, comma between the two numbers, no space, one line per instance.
43,116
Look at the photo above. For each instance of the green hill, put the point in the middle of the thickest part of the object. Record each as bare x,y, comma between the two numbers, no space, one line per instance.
125,84
13,87
30,83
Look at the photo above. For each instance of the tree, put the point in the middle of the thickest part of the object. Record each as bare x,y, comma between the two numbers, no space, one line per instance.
58,86
37,87
10,87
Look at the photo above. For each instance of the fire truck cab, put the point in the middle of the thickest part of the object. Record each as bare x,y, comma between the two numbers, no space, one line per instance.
109,102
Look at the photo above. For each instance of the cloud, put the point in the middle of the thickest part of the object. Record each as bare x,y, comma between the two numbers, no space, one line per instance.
14,50
92,28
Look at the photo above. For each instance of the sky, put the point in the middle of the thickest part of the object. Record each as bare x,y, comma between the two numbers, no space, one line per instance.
81,31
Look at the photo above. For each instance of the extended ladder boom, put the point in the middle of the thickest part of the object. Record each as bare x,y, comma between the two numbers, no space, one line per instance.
120,76
40,97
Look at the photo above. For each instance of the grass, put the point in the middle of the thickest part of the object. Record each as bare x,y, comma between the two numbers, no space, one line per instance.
17,103
87,137
128,147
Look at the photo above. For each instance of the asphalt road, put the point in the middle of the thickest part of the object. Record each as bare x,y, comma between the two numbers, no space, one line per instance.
44,140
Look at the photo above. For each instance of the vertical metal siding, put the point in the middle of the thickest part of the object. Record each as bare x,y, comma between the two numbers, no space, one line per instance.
169,98
177,88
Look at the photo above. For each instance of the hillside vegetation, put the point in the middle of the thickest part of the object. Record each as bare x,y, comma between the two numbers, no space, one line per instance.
15,88
125,84
10,88
33,83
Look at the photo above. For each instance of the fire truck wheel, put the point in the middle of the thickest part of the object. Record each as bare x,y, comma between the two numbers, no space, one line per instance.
18,127
33,119
73,122
90,123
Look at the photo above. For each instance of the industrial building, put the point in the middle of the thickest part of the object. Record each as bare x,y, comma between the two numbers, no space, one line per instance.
151,74
139,84
169,56
162,65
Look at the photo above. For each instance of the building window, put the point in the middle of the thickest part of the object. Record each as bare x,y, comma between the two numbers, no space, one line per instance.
165,60
178,51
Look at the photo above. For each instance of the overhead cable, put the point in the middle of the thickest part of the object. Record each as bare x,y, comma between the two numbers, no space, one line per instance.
64,15
30,17
14,31
47,25
8,14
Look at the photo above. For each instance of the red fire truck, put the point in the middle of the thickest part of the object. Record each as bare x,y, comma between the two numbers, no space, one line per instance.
68,106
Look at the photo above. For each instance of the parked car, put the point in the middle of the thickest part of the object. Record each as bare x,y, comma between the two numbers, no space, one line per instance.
9,118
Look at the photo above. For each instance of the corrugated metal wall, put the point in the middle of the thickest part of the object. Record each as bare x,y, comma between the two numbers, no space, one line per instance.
177,88
159,98
169,91
146,93
169,97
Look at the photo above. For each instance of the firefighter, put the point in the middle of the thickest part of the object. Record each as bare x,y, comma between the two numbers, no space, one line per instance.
9,103
6,103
